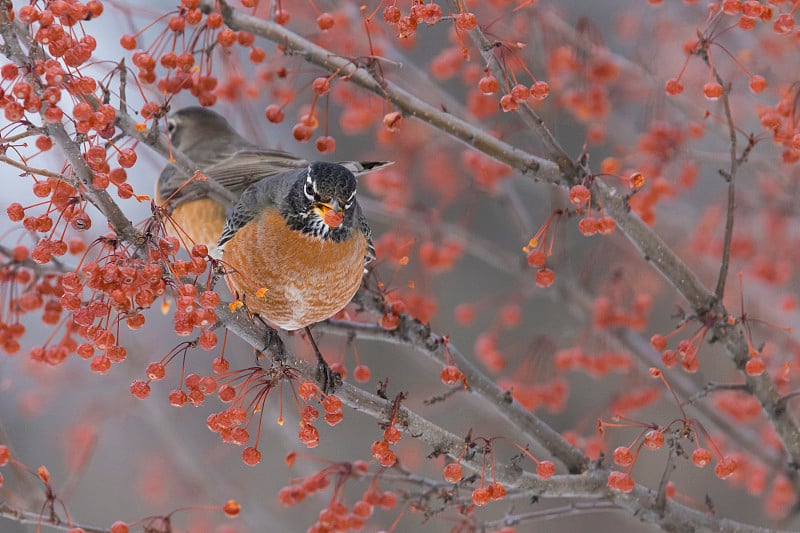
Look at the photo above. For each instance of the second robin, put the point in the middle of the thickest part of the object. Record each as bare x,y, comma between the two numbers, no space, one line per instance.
296,245
229,161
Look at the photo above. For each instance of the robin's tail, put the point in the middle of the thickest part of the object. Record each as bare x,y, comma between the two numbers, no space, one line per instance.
364,167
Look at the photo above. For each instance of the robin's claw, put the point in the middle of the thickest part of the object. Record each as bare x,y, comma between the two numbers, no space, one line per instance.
328,380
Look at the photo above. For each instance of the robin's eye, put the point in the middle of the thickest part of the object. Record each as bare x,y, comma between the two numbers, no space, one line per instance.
309,190
171,126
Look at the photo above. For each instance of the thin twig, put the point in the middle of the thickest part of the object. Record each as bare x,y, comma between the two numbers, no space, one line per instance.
33,170
730,177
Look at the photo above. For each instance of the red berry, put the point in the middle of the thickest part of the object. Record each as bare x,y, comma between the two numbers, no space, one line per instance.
274,113
488,85
301,132
545,469
325,21
466,21
712,90
674,87
701,457
452,472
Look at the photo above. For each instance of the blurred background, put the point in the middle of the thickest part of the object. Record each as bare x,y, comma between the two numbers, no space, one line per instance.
114,457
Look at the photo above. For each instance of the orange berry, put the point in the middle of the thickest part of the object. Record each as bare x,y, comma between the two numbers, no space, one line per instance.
231,508
391,434
281,16
579,195
128,42
545,277
496,491
332,404
712,90
257,55
588,226
746,23
15,212
488,85
754,366
540,90
251,457
480,496
307,390
466,21
732,7
545,469
752,8
361,373
274,113
620,481
654,439
5,455
155,371
701,457
119,527
784,24
126,157
450,375
757,84
226,37
669,358
507,103
301,132
452,473
623,456
326,144
658,342
725,467
321,85
177,398
520,93
325,21
391,14
226,393
674,87
214,20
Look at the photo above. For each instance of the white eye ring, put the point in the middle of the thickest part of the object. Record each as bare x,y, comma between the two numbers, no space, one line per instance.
171,125
309,189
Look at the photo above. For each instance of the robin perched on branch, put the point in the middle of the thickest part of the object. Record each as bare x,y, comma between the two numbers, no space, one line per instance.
297,244
229,161
295,241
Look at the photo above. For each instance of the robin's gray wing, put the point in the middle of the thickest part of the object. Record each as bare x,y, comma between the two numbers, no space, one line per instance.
365,229
233,170
165,183
246,167
265,194
204,153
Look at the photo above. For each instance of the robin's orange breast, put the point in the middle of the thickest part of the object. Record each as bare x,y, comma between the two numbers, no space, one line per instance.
201,220
307,279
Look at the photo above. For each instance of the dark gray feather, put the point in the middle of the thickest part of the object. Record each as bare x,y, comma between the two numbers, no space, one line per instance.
264,194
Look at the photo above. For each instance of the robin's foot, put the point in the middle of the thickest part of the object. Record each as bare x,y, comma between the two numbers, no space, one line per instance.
328,380
273,345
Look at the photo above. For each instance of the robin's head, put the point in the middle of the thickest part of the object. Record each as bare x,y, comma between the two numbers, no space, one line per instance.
192,125
322,201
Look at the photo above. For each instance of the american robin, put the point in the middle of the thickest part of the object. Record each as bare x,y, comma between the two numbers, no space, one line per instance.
228,160
296,244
